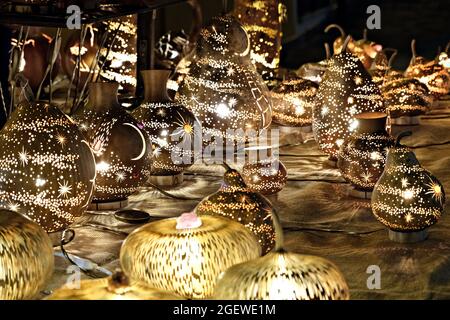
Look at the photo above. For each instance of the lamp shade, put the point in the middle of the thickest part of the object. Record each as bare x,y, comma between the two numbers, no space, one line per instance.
186,259
47,169
115,287
234,200
26,257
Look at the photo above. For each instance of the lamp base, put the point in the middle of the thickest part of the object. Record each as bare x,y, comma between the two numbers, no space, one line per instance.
406,121
167,181
113,205
359,194
408,237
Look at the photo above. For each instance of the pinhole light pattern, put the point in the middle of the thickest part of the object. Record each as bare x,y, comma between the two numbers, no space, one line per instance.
407,197
293,101
47,170
346,90
283,275
26,257
171,128
431,73
379,69
266,176
222,87
186,261
235,201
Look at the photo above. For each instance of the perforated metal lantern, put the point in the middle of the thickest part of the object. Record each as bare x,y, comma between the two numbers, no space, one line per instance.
47,170
26,257
186,260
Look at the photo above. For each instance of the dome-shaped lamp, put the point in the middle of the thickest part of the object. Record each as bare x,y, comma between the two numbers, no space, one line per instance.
407,198
26,257
47,170
185,255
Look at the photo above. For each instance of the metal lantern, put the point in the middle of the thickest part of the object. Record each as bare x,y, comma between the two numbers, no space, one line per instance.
47,169
346,90
115,287
362,156
26,257
234,200
170,127
185,255
121,146
407,198
222,87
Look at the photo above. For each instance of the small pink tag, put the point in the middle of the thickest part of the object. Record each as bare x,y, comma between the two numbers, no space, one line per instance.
188,221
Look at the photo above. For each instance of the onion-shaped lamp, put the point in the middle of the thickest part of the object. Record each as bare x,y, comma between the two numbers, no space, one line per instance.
185,255
26,257
362,156
407,198
47,170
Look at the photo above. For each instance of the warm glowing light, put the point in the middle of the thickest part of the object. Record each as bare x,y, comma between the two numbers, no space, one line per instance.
102,166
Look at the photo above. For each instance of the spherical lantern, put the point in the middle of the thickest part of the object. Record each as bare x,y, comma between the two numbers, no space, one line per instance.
170,127
185,255
407,198
121,146
47,169
26,257
362,156
222,87
115,287
346,90
234,200
293,101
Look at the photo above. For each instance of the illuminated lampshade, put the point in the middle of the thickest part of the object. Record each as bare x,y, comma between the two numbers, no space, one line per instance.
47,169
379,68
115,287
362,156
121,147
407,199
185,255
346,90
222,87
26,257
293,101
263,21
264,174
234,200
170,127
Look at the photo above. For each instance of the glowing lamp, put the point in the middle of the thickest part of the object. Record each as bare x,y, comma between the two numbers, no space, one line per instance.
47,169
26,257
185,255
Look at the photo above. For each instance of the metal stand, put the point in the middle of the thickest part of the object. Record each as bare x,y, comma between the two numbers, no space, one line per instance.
360,194
406,121
167,181
114,205
408,237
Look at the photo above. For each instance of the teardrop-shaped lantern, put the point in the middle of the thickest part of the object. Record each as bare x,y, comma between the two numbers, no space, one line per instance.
407,199
234,200
26,257
47,169
185,255
346,90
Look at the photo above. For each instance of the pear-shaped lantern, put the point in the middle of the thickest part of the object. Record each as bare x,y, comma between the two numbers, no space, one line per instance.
282,275
346,90
234,200
26,257
222,87
170,127
47,169
407,198
185,255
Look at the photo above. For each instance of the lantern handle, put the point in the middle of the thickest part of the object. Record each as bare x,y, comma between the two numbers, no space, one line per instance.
365,34
447,47
401,136
333,25
346,42
327,50
392,57
413,48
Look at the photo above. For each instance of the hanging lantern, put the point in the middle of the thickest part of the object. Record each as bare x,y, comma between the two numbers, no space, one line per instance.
362,156
185,255
26,257
263,21
170,127
235,201
282,275
115,287
346,90
121,147
222,87
407,198
47,169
